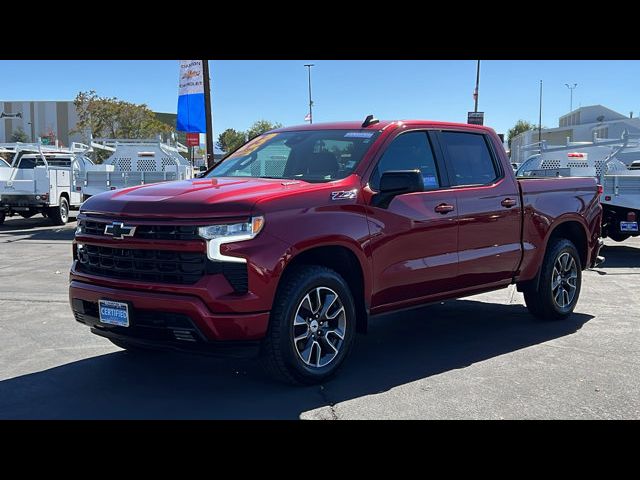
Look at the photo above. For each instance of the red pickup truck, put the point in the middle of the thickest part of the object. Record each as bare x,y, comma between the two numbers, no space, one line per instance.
287,247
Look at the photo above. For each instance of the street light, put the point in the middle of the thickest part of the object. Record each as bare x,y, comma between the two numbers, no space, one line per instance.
571,87
309,65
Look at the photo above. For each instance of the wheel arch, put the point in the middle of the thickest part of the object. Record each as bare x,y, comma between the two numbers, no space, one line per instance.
350,263
575,230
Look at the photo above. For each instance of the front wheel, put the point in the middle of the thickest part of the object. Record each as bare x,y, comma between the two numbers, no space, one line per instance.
311,328
59,215
559,283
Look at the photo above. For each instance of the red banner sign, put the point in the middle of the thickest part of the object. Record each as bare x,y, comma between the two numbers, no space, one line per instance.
193,139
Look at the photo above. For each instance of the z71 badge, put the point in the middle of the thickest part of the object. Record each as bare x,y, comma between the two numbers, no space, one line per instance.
344,195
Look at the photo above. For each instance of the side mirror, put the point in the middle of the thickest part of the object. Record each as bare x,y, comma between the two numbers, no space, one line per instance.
397,182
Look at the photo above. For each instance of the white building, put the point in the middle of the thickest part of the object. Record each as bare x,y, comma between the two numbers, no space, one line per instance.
39,119
578,126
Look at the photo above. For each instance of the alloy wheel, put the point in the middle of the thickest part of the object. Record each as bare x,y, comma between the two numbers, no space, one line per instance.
564,280
319,327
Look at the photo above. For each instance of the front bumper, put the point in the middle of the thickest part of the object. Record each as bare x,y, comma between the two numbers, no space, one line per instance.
162,319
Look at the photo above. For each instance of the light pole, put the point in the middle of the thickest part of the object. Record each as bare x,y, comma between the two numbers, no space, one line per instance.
540,119
475,92
571,87
207,113
309,65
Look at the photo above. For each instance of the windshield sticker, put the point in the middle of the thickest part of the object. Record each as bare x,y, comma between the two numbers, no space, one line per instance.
358,134
252,145
430,181
350,164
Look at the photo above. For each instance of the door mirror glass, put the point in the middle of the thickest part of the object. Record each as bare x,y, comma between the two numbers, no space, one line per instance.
397,182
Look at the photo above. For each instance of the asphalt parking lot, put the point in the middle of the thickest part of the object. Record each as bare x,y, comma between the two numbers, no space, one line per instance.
483,357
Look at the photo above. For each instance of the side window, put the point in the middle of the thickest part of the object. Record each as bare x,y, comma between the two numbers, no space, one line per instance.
409,151
28,163
469,159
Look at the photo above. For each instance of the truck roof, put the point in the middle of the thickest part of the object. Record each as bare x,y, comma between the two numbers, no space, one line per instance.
357,125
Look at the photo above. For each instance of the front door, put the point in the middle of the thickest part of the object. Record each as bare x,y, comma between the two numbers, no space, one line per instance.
489,210
414,239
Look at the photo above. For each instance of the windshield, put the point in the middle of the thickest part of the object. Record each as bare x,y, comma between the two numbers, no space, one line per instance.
310,155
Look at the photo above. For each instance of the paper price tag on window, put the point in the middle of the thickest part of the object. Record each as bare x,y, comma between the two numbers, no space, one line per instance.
253,145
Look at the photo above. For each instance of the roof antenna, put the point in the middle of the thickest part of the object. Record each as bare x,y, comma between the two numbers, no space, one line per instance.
370,120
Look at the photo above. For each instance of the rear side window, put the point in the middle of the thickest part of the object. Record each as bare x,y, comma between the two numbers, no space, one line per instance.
409,151
469,159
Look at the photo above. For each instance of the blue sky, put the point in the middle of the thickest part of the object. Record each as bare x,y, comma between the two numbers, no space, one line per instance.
245,91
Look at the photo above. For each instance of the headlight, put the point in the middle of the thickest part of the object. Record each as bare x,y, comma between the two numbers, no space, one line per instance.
249,229
218,235
80,227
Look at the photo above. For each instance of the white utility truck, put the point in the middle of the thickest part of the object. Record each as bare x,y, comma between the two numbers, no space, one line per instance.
52,180
39,180
611,162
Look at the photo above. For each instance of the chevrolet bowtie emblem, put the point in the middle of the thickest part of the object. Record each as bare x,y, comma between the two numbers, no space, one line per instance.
119,230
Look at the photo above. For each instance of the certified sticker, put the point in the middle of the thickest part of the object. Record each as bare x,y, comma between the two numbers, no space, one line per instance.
358,134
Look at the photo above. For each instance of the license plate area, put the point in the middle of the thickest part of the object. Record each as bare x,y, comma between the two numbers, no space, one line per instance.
628,226
113,313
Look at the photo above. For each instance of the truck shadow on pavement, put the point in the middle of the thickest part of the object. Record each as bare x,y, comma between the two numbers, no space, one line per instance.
398,349
620,256
35,228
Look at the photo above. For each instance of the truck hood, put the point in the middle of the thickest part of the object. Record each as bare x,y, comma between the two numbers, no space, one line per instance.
195,198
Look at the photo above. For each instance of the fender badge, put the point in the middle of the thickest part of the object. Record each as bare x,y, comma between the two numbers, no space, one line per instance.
344,195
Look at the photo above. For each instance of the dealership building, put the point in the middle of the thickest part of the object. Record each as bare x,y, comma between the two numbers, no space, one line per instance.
39,119
580,125
46,119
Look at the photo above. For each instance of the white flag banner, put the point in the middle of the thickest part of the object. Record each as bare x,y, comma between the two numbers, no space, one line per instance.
191,80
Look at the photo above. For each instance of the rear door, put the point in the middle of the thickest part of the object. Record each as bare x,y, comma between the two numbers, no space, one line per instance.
489,210
413,245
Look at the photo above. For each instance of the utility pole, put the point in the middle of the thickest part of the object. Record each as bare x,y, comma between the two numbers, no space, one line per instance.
571,87
475,96
309,65
207,112
540,119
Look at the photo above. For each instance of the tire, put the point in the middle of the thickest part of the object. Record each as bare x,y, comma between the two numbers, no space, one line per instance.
310,360
2,217
550,300
59,215
129,347
618,237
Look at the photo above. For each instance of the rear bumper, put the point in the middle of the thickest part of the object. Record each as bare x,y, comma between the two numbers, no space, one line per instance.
148,309
18,202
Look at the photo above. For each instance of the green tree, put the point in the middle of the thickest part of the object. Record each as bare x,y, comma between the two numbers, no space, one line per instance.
109,117
260,127
19,135
518,128
231,139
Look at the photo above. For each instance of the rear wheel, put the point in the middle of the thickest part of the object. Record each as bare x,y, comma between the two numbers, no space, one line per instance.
59,215
311,328
559,284
618,237
2,217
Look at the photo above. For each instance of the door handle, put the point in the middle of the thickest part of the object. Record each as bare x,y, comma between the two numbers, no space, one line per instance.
508,202
444,208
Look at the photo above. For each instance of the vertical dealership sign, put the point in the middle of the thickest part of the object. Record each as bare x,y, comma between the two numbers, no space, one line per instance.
191,112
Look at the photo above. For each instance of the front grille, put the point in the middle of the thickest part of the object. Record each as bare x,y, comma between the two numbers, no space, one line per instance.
148,232
158,266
